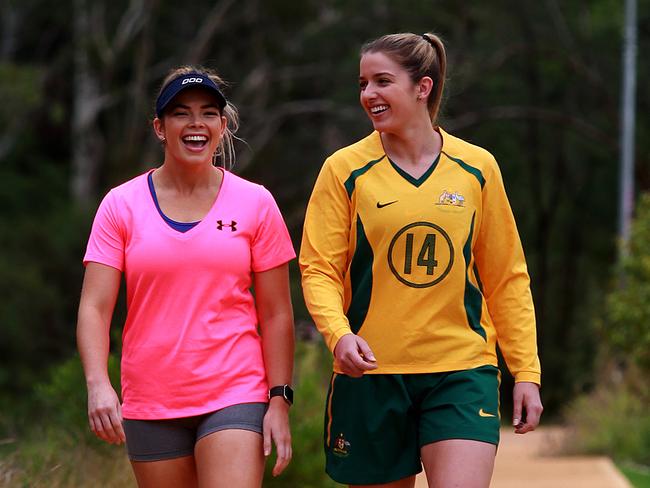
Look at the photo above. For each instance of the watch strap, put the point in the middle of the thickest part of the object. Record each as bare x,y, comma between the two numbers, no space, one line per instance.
284,391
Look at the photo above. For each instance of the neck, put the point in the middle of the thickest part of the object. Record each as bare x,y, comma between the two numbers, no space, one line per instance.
186,178
415,145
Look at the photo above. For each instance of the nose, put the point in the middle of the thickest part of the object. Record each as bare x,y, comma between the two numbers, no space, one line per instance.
368,93
196,120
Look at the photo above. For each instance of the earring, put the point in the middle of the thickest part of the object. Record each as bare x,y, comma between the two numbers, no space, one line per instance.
163,140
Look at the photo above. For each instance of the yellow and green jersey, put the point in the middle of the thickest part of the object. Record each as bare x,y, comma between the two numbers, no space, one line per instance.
429,271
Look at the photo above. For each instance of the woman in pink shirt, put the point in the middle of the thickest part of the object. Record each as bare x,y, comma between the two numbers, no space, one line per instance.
204,395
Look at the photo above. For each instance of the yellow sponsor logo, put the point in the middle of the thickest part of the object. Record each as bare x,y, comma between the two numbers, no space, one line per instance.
483,413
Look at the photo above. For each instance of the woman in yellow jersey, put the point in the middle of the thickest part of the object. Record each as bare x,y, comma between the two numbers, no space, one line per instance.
413,270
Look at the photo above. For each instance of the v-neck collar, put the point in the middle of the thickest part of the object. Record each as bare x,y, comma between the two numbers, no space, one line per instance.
207,217
415,181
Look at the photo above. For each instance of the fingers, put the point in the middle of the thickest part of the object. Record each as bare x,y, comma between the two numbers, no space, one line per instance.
276,430
355,365
105,416
107,425
266,433
120,426
517,399
523,428
354,356
364,350
533,413
527,407
284,453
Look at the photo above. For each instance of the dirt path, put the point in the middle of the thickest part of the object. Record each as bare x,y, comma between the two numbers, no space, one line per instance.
529,461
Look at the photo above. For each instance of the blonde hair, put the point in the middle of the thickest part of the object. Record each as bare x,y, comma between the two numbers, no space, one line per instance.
225,153
420,55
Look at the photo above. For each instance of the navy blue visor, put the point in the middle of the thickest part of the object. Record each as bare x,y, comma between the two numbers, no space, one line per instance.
188,80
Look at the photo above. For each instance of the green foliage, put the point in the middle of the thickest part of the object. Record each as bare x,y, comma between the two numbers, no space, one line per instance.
307,468
21,90
52,444
639,476
57,459
613,420
536,83
40,279
56,447
63,400
627,329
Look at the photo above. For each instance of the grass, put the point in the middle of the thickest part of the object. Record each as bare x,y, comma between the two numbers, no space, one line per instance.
63,463
613,421
639,476
57,450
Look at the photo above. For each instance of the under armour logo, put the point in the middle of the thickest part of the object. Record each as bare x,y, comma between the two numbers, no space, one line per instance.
232,225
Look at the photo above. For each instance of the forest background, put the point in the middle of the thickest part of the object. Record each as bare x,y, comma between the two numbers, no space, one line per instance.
535,82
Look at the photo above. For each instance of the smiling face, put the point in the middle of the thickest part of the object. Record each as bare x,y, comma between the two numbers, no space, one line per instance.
388,95
192,126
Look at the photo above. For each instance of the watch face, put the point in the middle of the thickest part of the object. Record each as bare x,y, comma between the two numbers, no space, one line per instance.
288,394
284,391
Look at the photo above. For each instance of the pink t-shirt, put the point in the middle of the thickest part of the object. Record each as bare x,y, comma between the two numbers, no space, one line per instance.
190,341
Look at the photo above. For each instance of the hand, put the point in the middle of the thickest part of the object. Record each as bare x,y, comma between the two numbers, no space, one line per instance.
527,407
354,355
276,428
105,413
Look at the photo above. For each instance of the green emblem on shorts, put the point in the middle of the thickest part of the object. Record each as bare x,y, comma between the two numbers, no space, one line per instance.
341,446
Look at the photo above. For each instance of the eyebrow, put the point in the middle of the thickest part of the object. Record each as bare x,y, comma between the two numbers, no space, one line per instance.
381,73
187,107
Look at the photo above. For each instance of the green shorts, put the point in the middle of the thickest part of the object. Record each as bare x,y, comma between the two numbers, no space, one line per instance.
375,425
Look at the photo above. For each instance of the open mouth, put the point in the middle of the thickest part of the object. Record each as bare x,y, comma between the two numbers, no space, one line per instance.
378,109
195,142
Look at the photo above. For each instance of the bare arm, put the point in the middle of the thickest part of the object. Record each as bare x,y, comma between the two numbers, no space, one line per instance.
98,296
275,314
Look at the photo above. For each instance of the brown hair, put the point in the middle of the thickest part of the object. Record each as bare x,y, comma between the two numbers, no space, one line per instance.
420,55
226,149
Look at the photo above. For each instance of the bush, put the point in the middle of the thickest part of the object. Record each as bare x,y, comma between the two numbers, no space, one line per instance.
57,449
627,330
40,280
307,468
63,398
53,445
614,419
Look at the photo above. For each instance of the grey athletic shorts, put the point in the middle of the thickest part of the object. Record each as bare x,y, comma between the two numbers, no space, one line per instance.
156,440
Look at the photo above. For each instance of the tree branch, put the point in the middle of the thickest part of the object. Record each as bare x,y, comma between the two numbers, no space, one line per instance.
269,126
210,26
582,127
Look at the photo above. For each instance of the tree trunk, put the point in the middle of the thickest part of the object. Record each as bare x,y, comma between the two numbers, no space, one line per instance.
87,141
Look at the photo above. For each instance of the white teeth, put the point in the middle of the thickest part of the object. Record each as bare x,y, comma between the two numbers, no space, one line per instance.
195,138
379,108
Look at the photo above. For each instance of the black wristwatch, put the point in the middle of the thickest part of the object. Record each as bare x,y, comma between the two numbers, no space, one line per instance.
284,391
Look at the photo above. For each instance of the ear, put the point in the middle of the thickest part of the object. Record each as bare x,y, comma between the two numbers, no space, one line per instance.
159,128
424,87
224,125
